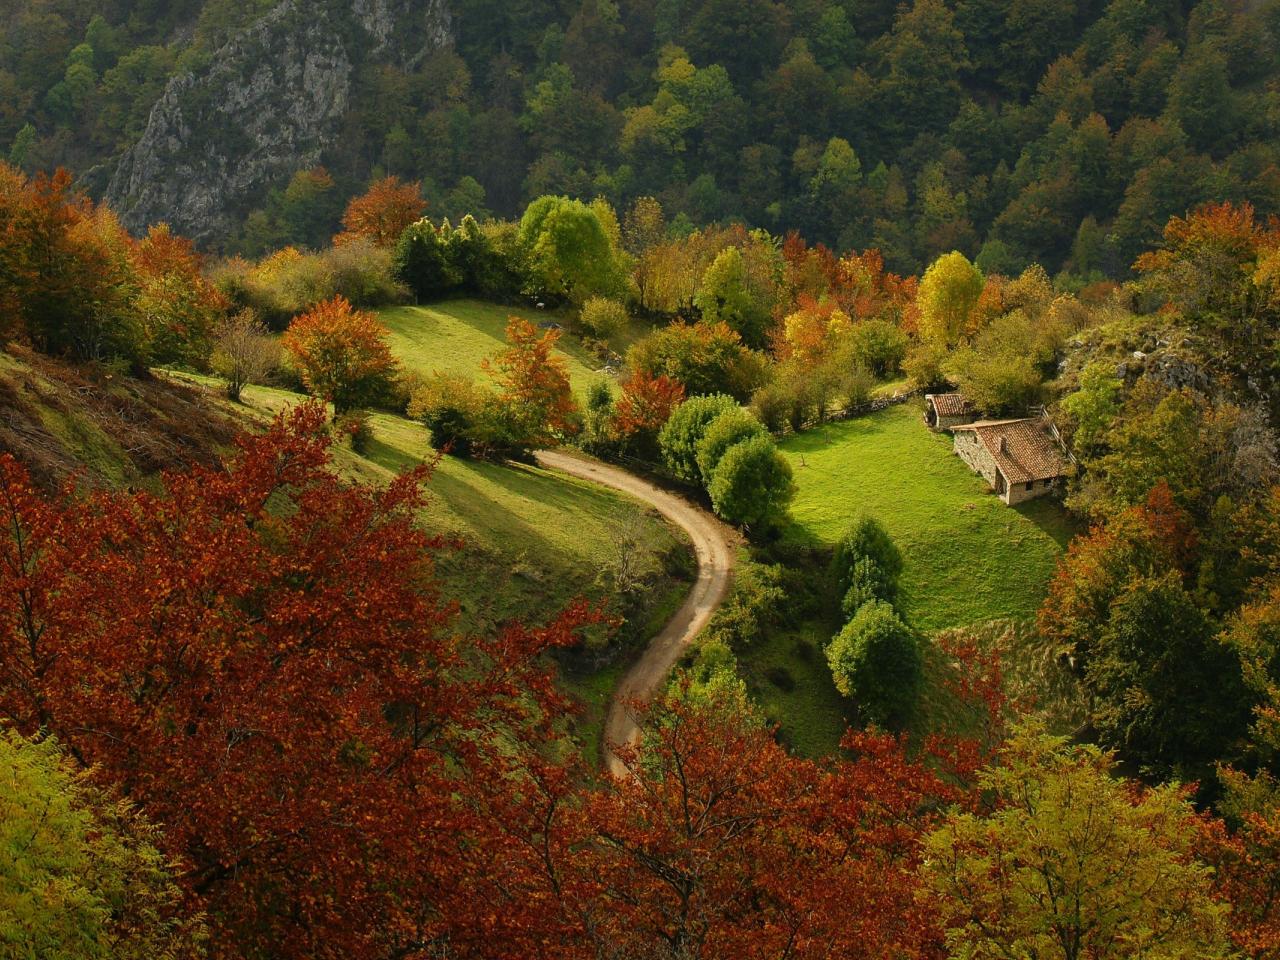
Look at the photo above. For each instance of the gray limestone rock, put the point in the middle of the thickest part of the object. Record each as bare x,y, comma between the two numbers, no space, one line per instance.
265,105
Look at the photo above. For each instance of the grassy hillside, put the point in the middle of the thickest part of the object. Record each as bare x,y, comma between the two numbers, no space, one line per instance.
455,336
969,558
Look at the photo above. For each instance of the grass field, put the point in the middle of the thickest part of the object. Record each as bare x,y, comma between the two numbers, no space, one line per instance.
455,336
968,557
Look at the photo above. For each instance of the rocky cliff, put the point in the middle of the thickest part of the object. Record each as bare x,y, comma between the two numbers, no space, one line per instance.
267,104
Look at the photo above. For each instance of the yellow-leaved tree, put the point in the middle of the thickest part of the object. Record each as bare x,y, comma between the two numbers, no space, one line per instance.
1070,862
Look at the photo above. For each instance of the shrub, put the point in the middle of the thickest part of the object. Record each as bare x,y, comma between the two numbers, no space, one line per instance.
422,262
455,410
875,661
923,365
754,603
725,431
363,273
244,352
604,318
865,539
704,357
787,400
356,428
685,429
752,484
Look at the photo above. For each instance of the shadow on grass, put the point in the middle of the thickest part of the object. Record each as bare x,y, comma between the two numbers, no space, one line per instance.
1052,518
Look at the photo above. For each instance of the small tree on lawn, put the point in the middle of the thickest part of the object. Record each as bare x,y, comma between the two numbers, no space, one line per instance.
244,352
875,661
342,354
534,394
865,538
752,484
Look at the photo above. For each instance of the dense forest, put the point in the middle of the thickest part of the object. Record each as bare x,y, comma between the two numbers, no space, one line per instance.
1015,131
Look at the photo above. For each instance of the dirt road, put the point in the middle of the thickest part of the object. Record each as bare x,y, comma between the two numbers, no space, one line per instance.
712,544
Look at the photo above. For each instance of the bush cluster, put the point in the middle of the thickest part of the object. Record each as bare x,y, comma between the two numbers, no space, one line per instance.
712,442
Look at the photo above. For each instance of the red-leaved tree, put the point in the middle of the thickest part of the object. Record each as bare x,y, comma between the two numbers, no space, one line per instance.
259,657
646,403
718,843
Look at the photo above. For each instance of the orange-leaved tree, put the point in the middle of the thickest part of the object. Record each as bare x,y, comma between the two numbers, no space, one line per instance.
534,394
260,659
381,213
180,309
342,354
646,403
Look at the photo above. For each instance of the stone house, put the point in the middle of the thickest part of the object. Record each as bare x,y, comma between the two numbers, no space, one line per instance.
946,410
1021,459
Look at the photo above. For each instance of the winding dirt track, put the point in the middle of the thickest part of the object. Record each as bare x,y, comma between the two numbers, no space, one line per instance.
712,542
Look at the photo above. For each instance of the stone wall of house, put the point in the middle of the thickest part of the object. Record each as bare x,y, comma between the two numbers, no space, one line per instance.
971,450
946,423
1018,492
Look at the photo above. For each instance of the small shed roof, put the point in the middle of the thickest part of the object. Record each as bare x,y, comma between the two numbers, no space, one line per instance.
1024,450
950,404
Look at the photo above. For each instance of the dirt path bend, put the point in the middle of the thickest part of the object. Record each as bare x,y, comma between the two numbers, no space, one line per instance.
712,543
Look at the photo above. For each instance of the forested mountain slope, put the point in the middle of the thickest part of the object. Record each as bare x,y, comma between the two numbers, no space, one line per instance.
1018,130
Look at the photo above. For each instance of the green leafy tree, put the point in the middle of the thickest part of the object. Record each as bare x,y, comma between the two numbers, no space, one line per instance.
752,484
1073,862
878,345
603,317
867,582
569,252
80,876
1094,405
684,431
725,296
728,429
875,661
1165,692
866,538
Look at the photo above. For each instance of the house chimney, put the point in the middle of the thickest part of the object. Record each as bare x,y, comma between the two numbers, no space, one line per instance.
1004,445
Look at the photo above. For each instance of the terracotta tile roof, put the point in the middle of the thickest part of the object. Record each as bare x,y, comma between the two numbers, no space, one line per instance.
950,404
1024,450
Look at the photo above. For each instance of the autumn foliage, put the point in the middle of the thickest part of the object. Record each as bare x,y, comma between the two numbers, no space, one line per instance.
342,354
260,658
646,403
72,280
382,212
534,394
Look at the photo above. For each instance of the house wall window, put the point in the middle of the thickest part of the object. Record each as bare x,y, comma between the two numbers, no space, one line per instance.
1031,484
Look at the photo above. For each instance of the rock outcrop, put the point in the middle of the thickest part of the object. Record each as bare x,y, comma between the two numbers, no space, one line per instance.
267,104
